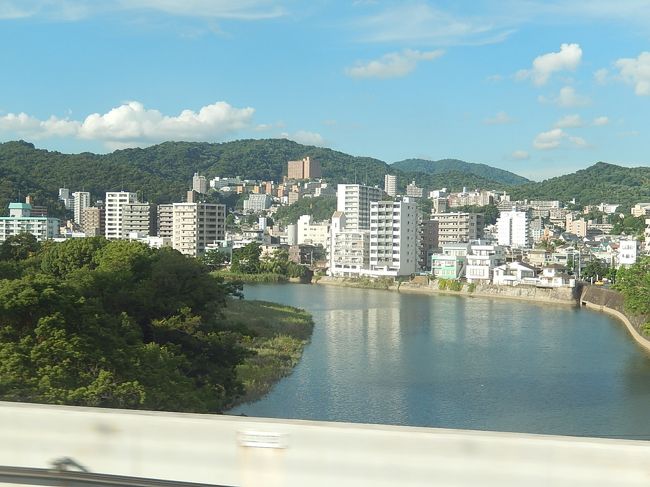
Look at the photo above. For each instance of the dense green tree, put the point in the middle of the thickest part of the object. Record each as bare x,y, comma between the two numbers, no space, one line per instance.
320,208
634,283
629,225
595,269
19,247
246,260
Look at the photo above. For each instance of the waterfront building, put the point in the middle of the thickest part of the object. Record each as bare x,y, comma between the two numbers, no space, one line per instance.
428,242
482,259
514,274
394,238
115,202
354,200
20,220
349,254
81,200
450,263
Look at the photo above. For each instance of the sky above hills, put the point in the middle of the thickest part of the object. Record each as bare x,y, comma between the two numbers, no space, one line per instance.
537,87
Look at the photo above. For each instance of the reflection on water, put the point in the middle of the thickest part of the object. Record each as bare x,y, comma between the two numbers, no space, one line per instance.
446,361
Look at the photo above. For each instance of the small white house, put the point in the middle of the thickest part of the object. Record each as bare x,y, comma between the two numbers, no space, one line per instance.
555,275
514,274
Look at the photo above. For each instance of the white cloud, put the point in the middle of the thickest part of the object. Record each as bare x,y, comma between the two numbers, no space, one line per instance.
304,137
601,76
600,121
549,140
73,10
520,155
393,64
567,98
567,59
554,138
569,121
636,71
425,24
501,118
131,125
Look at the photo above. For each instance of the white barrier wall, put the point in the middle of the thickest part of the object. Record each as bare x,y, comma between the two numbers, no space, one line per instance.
237,451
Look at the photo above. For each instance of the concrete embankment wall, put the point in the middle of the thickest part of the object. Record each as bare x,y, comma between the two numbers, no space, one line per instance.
421,285
611,302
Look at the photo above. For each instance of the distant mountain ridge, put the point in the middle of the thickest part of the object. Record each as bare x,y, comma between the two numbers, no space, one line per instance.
448,165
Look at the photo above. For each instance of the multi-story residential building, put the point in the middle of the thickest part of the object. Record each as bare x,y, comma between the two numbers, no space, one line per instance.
349,254
257,202
81,200
451,262
390,184
20,220
292,197
628,252
513,229
137,220
458,227
471,198
413,191
37,210
394,238
306,168
536,229
196,225
354,200
115,202
93,221
481,261
312,233
428,242
440,205
640,209
199,183
66,197
219,183
165,220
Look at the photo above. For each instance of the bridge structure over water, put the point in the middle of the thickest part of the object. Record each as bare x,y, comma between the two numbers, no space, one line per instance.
63,445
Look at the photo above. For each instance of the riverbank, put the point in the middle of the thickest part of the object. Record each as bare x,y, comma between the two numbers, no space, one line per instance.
565,296
611,302
276,336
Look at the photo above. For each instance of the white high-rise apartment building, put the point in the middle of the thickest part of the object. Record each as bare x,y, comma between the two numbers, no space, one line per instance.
349,249
390,184
195,225
81,200
312,233
20,220
115,202
354,200
394,238
199,183
513,229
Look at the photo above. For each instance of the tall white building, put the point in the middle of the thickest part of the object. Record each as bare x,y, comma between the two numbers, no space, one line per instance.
628,252
199,183
354,200
390,184
196,225
513,229
115,202
66,197
312,233
394,238
81,200
349,254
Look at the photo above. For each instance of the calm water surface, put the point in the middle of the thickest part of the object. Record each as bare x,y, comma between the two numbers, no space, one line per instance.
452,362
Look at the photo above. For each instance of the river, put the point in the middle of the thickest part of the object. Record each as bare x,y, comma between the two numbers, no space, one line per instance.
455,362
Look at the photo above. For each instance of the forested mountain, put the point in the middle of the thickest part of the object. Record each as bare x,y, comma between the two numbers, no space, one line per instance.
454,165
599,183
162,173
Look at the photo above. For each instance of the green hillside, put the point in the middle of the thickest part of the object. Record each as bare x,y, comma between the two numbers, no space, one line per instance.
454,165
162,173
599,183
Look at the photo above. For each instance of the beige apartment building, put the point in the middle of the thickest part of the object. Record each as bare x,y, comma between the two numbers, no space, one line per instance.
195,225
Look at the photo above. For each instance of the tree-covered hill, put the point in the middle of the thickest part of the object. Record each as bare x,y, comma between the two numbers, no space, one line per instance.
162,173
599,183
444,166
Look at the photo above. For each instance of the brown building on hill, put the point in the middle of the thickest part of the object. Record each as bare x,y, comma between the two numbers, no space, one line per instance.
307,168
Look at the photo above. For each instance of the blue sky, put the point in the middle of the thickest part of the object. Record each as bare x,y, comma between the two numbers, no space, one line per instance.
537,87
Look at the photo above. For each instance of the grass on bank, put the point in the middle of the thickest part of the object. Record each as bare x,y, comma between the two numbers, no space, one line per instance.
251,278
277,334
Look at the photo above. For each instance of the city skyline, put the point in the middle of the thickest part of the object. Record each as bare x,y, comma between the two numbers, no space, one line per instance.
537,88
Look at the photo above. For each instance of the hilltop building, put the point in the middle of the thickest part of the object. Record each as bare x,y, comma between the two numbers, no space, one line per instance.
306,168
